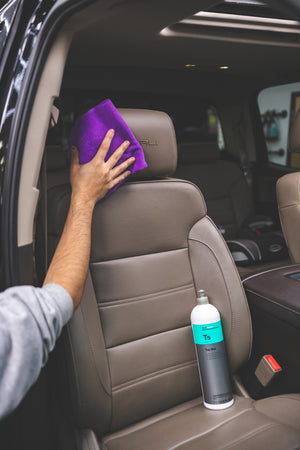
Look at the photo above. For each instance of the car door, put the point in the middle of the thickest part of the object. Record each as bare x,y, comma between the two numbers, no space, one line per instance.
27,30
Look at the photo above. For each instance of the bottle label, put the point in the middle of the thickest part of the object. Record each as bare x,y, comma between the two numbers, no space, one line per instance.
210,333
214,374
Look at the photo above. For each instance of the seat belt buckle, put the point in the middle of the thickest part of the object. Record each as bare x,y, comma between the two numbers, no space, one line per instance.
267,369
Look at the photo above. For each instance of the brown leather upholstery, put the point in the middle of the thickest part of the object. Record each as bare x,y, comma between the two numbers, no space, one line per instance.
160,147
277,293
288,198
224,187
247,425
132,370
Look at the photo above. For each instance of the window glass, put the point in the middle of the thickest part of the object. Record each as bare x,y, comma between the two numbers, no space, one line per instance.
278,106
202,126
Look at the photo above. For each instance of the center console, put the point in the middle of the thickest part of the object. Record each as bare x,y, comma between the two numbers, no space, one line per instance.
274,301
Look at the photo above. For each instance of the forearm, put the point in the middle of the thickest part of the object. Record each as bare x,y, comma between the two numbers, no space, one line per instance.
90,183
31,319
69,265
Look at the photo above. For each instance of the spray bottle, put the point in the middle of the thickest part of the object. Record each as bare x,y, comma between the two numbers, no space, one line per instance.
211,354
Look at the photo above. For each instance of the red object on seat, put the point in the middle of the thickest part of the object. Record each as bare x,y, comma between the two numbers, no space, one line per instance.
273,363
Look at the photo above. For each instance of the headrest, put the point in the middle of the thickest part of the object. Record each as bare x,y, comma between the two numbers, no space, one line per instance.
288,190
198,152
294,145
155,132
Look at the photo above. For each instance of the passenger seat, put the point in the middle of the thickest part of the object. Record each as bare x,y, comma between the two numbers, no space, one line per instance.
131,365
226,192
288,197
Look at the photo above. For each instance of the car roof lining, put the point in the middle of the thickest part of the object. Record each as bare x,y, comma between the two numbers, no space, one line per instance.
129,36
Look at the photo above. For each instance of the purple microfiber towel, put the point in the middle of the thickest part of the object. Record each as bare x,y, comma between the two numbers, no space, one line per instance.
90,129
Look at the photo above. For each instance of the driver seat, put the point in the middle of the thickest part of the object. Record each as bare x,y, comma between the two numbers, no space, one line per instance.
131,364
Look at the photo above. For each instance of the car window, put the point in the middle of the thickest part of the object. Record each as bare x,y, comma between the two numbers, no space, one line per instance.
204,125
278,106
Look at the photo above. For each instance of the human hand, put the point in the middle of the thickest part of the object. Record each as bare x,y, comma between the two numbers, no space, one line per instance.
90,182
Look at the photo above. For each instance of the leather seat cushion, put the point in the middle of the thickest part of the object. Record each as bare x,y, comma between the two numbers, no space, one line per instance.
272,423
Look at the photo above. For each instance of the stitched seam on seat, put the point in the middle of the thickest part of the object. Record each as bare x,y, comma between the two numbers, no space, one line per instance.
195,186
106,261
262,273
273,301
290,205
233,321
175,413
289,397
231,419
153,375
249,435
141,298
149,336
125,433
221,271
110,259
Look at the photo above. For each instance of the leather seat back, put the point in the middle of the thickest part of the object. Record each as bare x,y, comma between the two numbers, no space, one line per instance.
131,351
288,198
226,192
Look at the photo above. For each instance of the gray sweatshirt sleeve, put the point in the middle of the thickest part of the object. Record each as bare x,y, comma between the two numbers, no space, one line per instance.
31,319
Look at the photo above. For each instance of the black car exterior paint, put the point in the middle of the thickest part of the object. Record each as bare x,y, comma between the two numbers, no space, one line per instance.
36,32
33,14
7,15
